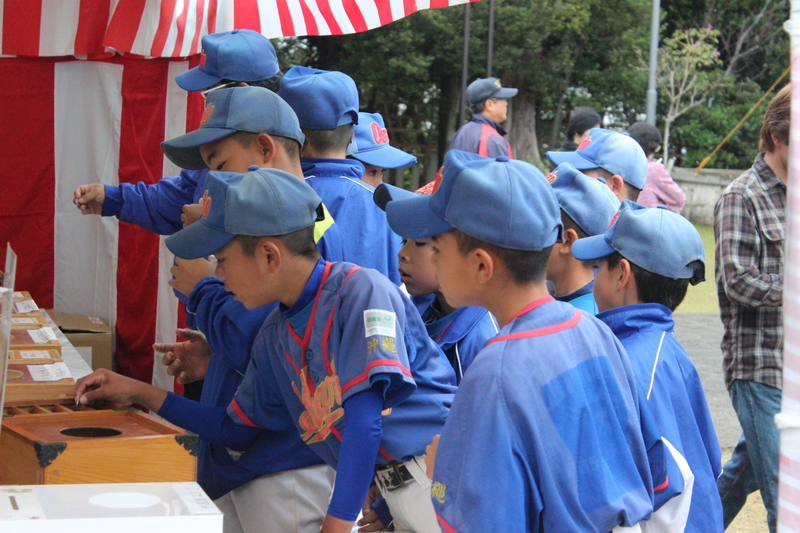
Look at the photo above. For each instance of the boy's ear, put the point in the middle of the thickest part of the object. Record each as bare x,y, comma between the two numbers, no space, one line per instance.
270,253
483,265
616,183
626,278
568,238
266,146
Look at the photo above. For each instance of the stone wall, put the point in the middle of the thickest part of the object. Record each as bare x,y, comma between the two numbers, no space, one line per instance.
702,191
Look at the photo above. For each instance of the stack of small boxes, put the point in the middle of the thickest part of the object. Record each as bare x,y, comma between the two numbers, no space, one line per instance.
35,368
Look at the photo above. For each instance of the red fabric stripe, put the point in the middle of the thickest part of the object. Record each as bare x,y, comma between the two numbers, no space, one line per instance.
28,148
141,131
788,518
22,23
181,23
533,305
164,24
325,8
285,16
246,15
409,7
124,24
790,466
240,414
212,16
354,14
308,17
445,526
380,362
92,22
325,336
350,273
195,102
788,492
540,332
198,29
662,486
439,3
384,12
385,454
289,357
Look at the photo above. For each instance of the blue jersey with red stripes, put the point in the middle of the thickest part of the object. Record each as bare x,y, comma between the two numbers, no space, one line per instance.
670,386
544,432
357,331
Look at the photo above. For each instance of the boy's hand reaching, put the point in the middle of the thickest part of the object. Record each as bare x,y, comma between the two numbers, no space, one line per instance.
107,385
89,198
188,272
191,214
188,359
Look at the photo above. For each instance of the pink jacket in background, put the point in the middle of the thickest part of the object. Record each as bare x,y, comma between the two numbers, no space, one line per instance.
661,189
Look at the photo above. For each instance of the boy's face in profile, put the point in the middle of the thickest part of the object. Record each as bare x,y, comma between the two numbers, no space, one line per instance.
452,270
417,268
229,155
240,272
605,287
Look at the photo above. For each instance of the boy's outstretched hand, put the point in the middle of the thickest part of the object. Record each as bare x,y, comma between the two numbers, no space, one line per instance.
188,360
89,198
187,273
107,385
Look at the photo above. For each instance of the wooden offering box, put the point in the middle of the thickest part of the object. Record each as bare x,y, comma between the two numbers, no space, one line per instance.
60,444
29,321
33,356
21,386
34,339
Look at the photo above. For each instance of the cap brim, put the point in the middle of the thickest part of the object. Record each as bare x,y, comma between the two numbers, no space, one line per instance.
196,241
386,157
590,248
413,218
385,193
573,158
195,79
184,151
506,92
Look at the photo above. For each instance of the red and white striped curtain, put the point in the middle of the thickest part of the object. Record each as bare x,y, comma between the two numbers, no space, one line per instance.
83,105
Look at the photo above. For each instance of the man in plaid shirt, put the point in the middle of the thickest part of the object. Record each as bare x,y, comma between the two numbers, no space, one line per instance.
749,232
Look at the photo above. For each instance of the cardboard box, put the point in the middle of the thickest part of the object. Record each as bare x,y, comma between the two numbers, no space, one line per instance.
89,335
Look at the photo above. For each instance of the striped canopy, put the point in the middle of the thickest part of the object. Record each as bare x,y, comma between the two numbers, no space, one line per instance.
173,28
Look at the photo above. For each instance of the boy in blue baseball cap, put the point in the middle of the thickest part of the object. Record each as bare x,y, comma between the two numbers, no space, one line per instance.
344,361
613,156
372,148
544,432
326,103
646,261
587,207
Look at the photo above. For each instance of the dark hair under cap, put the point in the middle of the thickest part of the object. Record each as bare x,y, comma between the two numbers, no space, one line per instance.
647,135
582,119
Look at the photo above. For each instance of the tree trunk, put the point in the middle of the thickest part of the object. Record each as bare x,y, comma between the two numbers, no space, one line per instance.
521,125
449,106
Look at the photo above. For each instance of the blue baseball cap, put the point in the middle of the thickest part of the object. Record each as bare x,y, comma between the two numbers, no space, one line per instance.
322,99
485,88
655,239
587,201
263,202
372,144
238,55
616,152
251,109
507,203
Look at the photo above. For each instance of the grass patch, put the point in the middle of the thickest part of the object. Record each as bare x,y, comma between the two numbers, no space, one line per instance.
702,298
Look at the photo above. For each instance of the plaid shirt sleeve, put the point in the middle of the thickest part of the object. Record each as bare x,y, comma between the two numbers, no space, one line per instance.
738,254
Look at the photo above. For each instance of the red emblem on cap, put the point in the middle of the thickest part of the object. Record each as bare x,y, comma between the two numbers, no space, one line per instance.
433,186
380,134
207,112
613,219
203,59
205,204
552,176
584,143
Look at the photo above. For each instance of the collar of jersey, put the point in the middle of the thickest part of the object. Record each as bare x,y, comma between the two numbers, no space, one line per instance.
586,289
631,319
314,167
306,299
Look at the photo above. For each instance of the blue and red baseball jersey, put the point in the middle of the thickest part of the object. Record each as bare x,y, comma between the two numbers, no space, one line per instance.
669,385
460,335
356,331
544,432
367,239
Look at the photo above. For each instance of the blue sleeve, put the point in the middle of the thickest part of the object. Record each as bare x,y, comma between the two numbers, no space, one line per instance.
496,145
229,326
360,443
155,207
211,423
